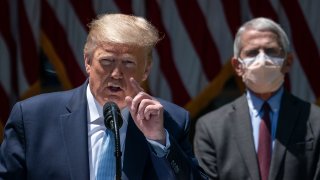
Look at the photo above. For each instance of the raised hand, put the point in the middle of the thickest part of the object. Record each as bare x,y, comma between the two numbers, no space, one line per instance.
147,113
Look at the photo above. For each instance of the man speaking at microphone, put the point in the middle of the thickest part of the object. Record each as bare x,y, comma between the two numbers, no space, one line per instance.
62,135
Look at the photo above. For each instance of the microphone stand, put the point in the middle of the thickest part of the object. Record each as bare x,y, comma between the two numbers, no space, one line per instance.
117,152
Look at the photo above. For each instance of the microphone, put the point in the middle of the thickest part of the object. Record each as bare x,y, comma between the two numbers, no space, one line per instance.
112,116
113,121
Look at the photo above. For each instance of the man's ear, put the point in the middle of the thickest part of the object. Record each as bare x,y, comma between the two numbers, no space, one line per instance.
237,66
147,70
287,64
87,63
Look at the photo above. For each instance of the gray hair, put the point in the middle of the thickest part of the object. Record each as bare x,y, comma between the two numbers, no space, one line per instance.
261,24
121,29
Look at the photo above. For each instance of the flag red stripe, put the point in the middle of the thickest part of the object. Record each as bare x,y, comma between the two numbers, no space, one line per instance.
53,29
263,8
200,36
5,30
29,55
125,6
304,43
4,105
179,93
84,10
232,13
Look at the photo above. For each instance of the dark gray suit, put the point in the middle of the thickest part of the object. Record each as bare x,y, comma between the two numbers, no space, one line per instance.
46,137
225,148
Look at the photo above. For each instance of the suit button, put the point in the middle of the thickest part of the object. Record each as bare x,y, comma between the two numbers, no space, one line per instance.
175,167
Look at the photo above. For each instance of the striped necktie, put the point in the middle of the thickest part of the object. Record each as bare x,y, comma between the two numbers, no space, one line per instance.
106,168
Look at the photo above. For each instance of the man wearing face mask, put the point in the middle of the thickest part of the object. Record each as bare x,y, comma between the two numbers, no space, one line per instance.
267,133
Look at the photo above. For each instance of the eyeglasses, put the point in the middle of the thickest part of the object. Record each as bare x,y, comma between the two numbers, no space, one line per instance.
271,52
247,61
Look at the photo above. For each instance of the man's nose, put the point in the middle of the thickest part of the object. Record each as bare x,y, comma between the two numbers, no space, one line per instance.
116,72
262,51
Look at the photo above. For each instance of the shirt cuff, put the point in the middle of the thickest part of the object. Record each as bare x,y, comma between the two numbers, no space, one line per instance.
159,149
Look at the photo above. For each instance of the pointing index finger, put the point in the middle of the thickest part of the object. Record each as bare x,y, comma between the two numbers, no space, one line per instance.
135,85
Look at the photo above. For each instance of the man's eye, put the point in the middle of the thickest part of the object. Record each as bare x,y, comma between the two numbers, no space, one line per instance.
273,52
252,53
106,62
129,63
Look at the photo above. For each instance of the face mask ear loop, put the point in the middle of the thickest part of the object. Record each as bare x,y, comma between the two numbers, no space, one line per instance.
284,57
241,62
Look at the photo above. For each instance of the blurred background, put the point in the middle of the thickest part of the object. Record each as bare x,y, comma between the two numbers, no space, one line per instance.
41,47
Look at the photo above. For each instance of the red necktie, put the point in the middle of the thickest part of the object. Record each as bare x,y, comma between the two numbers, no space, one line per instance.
264,146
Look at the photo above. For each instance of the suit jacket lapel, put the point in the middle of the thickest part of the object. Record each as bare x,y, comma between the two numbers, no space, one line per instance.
136,152
75,134
244,137
287,119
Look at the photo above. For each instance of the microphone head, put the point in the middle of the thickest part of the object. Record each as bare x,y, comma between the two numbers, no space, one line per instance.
111,113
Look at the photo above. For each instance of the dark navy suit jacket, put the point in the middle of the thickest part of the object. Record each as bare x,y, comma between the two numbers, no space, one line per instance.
46,137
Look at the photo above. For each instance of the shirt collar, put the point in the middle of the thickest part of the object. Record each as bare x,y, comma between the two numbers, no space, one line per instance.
255,103
96,111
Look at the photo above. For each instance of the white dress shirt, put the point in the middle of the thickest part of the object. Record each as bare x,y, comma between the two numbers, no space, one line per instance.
96,130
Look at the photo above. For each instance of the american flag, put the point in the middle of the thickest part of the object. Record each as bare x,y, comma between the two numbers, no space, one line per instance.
191,64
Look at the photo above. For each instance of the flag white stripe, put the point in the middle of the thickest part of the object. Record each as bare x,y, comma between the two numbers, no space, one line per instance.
74,29
104,6
22,81
245,10
138,7
311,13
157,81
32,8
186,59
218,28
299,83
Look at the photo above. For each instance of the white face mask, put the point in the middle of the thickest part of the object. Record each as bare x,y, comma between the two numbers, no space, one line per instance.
262,74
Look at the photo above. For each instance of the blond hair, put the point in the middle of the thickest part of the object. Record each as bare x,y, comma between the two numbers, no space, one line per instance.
121,29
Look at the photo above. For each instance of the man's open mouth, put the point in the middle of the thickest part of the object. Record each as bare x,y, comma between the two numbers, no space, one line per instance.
114,88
